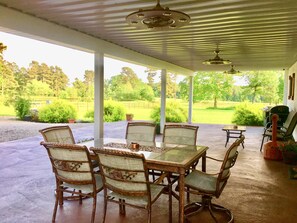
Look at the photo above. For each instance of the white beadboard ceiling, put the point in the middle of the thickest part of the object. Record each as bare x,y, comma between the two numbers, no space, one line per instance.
253,34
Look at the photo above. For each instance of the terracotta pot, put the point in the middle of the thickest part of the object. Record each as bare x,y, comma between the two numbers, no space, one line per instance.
71,120
271,152
129,117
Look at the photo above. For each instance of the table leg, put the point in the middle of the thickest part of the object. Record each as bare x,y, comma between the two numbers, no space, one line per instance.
181,182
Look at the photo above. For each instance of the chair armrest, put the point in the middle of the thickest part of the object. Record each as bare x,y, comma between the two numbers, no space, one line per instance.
279,129
218,160
208,173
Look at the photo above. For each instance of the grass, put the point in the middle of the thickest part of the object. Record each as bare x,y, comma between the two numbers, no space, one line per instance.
201,113
213,116
141,113
7,110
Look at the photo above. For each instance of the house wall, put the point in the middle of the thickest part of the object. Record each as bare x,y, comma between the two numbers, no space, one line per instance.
292,103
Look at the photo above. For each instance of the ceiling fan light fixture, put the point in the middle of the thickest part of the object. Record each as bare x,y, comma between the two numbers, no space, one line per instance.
217,60
232,71
158,18
167,13
140,15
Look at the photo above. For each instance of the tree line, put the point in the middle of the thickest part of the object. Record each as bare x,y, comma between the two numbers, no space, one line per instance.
42,80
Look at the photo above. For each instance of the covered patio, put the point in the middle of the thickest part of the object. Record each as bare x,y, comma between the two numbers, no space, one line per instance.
258,190
254,35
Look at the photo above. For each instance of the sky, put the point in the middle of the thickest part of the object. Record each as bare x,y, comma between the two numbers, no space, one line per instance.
23,51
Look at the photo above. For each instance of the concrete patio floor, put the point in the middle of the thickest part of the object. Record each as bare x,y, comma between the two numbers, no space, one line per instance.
258,190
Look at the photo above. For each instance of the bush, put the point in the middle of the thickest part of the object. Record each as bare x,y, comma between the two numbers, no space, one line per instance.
248,114
113,112
90,115
57,112
174,113
22,107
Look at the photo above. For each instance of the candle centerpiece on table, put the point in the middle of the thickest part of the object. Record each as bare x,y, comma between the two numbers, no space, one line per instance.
134,146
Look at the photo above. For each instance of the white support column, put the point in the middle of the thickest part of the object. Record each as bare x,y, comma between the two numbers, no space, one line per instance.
99,96
190,99
163,99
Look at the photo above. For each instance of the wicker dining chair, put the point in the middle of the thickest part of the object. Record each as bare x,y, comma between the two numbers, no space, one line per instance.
180,134
59,134
74,173
143,133
62,134
126,182
211,185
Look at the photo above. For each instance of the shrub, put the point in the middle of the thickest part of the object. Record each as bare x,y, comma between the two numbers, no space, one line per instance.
90,115
22,107
113,112
174,113
248,114
57,112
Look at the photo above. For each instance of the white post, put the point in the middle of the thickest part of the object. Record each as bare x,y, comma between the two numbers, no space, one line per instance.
99,96
163,100
190,99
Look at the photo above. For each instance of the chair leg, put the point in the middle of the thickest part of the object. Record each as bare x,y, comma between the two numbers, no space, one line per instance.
149,215
56,206
153,174
196,208
188,195
122,207
94,207
262,143
211,213
170,202
59,193
80,197
105,206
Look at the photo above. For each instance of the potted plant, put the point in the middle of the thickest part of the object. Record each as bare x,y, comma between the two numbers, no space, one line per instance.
71,120
289,152
129,117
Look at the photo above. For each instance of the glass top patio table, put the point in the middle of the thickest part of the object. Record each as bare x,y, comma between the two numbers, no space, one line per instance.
164,157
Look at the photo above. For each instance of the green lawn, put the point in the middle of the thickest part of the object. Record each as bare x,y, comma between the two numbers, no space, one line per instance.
212,116
200,115
6,110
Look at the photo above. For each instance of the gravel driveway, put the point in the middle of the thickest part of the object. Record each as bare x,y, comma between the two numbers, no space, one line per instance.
13,129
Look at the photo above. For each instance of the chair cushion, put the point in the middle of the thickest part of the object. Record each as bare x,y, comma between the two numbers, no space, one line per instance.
156,189
201,181
88,188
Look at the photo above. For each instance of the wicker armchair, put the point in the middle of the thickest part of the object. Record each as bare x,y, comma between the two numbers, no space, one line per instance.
62,134
143,133
211,185
180,134
59,134
74,173
125,181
